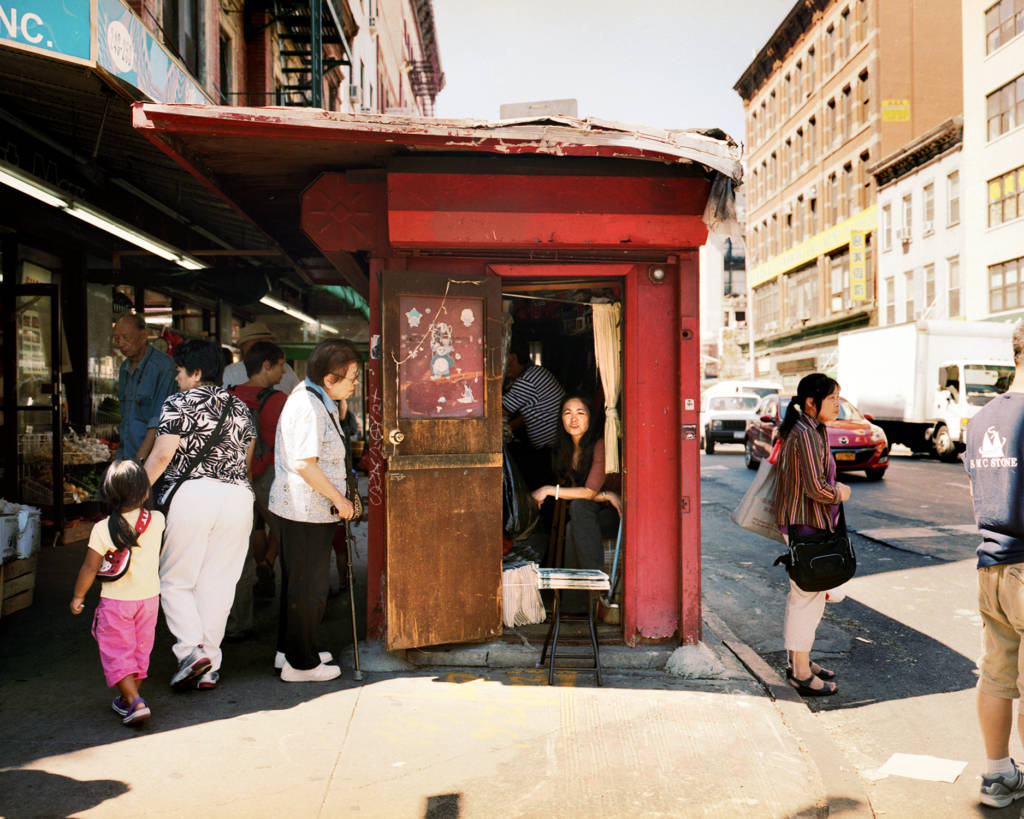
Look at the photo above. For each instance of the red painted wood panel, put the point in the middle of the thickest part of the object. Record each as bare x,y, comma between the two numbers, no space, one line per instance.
652,569
339,213
689,451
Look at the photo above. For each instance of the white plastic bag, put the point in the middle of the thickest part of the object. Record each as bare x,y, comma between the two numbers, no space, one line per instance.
755,511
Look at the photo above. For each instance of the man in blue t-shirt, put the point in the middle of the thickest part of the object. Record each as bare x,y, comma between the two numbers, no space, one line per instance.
145,379
994,460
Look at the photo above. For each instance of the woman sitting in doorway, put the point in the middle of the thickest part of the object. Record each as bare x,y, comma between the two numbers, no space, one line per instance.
577,461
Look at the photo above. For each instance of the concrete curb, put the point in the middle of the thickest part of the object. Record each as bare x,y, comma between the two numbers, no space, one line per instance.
844,791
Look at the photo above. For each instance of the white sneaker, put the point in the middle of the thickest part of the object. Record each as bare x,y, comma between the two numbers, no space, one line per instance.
321,673
325,657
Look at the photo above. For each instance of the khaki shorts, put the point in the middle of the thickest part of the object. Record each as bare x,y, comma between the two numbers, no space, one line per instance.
1001,605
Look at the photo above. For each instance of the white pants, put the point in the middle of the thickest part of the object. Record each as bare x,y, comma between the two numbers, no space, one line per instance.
205,545
803,613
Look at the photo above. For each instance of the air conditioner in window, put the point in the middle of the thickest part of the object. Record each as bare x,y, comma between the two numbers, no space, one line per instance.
903,235
929,227
365,109
371,23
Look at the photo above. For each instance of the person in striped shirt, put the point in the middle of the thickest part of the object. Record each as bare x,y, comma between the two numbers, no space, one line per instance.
533,403
807,498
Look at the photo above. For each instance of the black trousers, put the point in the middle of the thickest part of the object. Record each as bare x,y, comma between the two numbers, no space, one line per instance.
588,524
306,550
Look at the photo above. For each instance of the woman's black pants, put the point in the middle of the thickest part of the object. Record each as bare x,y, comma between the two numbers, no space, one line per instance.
306,550
589,523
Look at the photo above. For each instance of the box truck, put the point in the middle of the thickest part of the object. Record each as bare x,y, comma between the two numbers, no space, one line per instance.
922,381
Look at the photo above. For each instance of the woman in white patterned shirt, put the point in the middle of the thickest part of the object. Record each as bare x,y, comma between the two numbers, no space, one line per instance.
309,496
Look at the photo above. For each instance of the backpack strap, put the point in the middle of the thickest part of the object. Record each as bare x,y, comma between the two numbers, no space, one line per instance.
145,516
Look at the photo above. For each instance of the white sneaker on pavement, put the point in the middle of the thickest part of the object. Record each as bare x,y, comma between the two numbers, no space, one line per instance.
1000,790
325,657
321,673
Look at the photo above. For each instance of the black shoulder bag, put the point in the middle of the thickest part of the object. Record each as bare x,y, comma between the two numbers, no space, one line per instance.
821,561
351,489
215,438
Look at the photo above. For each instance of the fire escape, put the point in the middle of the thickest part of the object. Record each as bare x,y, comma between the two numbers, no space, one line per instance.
305,28
425,76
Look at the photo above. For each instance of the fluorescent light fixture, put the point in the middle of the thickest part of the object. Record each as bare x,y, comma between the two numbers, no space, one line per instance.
291,311
13,177
164,321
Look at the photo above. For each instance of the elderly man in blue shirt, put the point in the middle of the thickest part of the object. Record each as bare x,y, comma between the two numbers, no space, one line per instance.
145,379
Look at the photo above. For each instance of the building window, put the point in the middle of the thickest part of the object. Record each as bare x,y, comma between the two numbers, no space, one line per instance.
771,111
833,199
802,295
890,300
766,307
953,266
862,19
887,227
830,49
929,286
787,160
1006,108
765,189
1006,197
180,26
798,220
908,290
953,198
753,130
849,191
908,217
787,230
846,114
812,136
764,119
864,92
844,36
798,84
839,276
863,180
1004,282
1003,22
810,71
227,68
787,91
928,207
831,134
812,216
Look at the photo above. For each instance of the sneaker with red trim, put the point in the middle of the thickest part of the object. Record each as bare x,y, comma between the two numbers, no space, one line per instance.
190,669
208,681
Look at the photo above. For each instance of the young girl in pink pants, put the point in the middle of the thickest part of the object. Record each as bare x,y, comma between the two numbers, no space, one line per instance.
125,621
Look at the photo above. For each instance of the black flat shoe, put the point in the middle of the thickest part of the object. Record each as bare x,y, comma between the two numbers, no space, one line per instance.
803,687
822,673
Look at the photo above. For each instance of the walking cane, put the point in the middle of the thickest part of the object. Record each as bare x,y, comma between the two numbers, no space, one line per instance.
357,674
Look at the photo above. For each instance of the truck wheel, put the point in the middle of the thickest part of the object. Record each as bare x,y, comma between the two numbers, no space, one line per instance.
943,444
709,444
748,456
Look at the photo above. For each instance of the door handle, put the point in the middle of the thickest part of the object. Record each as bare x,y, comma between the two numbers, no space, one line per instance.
396,436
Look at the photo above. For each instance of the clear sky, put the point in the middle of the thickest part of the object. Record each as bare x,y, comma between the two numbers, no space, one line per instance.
666,63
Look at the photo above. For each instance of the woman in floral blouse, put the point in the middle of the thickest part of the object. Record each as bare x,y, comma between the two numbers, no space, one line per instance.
204,444
309,496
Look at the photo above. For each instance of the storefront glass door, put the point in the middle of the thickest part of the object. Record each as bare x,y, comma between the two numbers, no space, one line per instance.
37,396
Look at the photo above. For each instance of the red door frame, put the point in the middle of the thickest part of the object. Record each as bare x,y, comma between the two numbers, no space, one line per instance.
660,393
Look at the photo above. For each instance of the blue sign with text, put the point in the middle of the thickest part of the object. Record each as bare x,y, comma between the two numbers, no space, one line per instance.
50,26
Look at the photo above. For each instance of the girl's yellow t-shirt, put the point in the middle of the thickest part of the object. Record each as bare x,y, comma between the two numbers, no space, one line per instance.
142,579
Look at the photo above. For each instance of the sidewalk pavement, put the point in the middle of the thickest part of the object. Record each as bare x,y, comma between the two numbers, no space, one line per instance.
477,733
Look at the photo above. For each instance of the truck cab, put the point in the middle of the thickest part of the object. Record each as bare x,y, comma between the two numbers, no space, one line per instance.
963,387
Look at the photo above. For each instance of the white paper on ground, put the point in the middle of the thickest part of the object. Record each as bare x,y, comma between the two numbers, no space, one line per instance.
919,766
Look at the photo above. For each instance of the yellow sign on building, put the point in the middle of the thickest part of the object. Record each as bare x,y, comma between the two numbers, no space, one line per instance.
858,266
896,110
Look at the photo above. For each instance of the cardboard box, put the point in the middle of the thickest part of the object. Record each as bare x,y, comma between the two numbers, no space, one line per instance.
8,537
19,584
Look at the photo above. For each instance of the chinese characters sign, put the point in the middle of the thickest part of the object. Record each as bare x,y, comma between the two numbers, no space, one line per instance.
441,357
858,266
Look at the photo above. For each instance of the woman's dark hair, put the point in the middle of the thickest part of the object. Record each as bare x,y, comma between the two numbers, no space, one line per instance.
816,386
204,356
125,486
332,355
562,450
259,352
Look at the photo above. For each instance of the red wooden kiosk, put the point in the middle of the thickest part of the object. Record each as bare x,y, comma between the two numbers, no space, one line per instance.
426,215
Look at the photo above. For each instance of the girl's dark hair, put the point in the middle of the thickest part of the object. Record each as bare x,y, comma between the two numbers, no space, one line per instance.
330,356
562,450
204,356
817,386
125,486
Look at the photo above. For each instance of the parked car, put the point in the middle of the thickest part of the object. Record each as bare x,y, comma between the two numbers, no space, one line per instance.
856,442
726,419
731,387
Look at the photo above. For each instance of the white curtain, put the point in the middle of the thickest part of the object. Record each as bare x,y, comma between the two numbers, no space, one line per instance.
608,353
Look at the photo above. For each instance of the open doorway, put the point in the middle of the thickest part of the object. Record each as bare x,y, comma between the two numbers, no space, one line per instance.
552,324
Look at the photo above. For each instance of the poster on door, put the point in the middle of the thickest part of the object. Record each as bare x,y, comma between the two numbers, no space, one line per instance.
441,357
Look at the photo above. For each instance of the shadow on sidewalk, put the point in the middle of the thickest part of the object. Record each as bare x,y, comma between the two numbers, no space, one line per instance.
38,793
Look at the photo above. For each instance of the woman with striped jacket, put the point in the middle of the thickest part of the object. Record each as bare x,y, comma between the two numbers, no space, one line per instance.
807,498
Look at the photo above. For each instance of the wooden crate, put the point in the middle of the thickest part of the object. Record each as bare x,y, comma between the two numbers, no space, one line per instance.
19,585
77,531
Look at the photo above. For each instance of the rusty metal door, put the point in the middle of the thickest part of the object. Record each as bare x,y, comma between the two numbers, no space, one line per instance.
441,420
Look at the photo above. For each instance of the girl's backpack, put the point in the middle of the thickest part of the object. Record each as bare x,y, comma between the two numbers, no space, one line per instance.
116,561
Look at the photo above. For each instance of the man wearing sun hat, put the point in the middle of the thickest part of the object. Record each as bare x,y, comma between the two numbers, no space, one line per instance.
235,374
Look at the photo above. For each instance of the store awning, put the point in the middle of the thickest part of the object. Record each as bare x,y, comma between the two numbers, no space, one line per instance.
262,159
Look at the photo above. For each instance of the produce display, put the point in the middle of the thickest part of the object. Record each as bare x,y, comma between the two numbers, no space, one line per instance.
85,449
